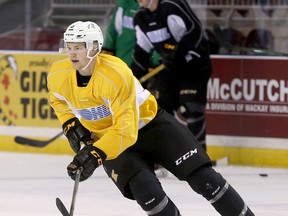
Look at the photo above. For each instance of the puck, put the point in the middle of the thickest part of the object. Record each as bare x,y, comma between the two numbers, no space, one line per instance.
263,174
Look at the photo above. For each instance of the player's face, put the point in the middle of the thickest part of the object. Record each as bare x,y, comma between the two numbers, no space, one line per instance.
78,55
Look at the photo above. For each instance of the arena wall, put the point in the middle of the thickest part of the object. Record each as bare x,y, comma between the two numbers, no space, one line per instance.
247,109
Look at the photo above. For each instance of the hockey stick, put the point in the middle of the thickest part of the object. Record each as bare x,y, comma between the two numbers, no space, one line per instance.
60,204
222,40
35,143
152,73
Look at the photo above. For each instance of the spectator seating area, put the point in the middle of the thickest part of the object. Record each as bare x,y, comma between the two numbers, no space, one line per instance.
245,22
256,38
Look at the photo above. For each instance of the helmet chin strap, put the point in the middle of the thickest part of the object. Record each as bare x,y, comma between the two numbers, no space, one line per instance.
90,58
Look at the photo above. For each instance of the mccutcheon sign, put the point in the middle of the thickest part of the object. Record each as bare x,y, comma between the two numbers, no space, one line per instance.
247,96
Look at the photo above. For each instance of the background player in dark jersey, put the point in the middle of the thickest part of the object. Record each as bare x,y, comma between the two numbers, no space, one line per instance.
104,107
173,30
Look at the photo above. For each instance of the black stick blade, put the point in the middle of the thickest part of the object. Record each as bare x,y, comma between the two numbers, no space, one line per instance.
61,207
30,142
35,143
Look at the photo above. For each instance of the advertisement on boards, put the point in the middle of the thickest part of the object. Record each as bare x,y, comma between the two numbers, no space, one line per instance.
248,96
24,107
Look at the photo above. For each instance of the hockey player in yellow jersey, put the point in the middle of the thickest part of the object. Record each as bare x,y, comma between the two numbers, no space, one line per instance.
104,108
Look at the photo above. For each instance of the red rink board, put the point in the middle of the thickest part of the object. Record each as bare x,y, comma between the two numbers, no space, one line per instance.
247,96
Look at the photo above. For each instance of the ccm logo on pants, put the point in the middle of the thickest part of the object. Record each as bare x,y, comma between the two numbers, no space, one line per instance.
186,156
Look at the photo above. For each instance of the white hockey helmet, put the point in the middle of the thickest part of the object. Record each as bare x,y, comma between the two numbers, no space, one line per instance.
88,32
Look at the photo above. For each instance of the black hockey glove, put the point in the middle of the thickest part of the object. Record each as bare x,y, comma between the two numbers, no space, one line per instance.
170,57
177,57
87,159
76,133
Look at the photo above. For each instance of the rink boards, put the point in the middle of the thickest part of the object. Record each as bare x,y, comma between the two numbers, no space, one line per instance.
247,109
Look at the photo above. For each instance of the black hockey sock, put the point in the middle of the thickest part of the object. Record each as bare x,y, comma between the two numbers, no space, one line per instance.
168,208
149,194
230,203
211,185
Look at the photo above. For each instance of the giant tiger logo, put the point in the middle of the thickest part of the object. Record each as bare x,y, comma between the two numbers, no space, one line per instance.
8,82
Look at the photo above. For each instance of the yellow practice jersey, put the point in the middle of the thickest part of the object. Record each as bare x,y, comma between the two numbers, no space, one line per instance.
113,106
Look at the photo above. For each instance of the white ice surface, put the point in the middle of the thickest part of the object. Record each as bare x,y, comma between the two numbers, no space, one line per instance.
29,184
